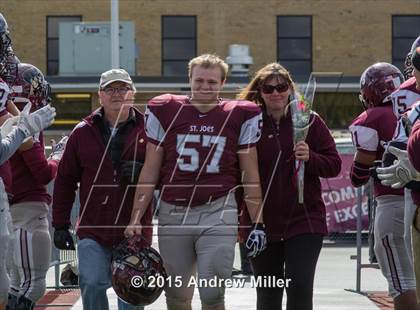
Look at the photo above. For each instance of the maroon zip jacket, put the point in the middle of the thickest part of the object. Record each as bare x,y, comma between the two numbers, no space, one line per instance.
105,204
413,150
31,173
283,216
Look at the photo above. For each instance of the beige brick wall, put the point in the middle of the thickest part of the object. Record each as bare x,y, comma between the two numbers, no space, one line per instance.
348,35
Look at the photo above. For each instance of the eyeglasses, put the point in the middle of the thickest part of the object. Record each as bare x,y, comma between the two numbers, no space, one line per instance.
269,89
112,90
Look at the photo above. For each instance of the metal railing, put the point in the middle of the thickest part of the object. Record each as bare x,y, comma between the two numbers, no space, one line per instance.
358,257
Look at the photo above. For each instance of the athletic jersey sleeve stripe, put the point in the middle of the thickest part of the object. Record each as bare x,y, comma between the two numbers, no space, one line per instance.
154,129
365,138
250,131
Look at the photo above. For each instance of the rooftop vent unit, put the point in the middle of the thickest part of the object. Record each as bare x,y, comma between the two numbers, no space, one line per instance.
239,59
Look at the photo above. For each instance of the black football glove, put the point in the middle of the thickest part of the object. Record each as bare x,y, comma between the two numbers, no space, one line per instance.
63,239
130,171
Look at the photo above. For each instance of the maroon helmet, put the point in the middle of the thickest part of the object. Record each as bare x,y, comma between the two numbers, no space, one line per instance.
378,82
408,65
138,275
30,86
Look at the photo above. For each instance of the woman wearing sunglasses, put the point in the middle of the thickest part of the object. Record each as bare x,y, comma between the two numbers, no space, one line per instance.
294,231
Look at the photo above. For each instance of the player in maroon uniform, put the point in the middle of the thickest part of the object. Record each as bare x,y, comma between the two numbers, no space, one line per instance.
402,173
413,150
197,146
294,231
13,132
406,95
402,100
31,172
409,91
371,130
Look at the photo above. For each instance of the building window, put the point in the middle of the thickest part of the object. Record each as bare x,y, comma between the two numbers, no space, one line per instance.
179,44
294,44
52,40
405,29
71,108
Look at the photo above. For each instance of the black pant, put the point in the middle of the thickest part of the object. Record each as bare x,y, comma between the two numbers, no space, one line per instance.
293,259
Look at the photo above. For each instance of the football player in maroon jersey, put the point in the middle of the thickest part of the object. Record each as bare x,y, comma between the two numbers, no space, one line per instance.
294,231
197,147
413,150
402,174
409,91
13,132
403,100
371,130
31,172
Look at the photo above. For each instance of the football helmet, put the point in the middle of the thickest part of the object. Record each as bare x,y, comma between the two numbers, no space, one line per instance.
9,68
30,86
135,266
5,41
378,82
408,65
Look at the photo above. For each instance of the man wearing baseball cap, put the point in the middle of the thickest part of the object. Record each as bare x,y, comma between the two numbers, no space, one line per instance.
115,75
104,153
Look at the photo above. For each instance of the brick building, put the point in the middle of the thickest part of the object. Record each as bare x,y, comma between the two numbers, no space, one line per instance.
341,36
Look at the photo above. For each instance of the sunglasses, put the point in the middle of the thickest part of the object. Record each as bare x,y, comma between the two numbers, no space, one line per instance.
269,89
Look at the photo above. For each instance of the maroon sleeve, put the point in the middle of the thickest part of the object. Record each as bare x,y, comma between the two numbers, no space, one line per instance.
324,160
65,186
43,170
413,147
359,173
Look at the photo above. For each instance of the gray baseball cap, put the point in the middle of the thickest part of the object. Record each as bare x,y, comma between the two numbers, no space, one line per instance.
115,75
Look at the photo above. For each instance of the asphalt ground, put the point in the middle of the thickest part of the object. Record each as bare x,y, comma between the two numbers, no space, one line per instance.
334,281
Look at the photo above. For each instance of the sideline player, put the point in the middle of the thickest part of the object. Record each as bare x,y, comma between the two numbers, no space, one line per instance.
26,125
31,172
370,131
402,100
13,132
